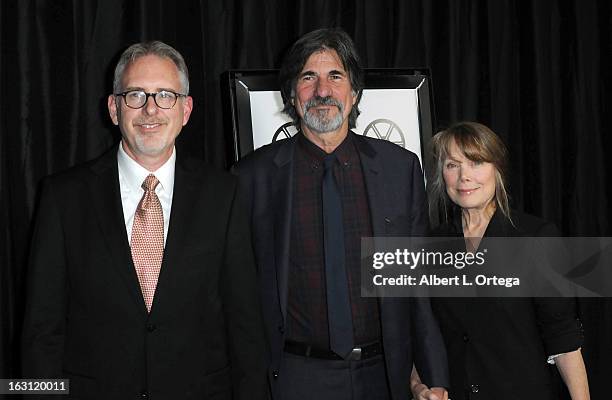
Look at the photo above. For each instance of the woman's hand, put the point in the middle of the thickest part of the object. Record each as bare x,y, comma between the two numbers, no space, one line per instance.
422,392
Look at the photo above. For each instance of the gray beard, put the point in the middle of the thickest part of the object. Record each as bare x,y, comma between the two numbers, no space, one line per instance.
318,121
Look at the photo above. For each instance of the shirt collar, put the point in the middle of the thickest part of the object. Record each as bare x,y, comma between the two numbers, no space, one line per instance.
134,173
343,152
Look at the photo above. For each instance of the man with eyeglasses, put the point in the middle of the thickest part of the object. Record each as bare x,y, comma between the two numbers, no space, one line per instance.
142,278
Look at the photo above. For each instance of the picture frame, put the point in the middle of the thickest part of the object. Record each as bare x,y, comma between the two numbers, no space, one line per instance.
396,105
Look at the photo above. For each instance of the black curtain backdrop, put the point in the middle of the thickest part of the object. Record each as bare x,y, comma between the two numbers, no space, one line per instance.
538,72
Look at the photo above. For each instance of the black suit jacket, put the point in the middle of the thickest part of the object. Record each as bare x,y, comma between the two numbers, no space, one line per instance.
86,319
394,183
498,347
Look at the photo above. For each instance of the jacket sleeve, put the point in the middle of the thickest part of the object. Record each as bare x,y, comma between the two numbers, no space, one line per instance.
559,326
46,293
557,318
429,351
242,308
419,207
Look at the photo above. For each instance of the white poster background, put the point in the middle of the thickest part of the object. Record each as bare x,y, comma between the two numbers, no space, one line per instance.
266,116
400,106
397,105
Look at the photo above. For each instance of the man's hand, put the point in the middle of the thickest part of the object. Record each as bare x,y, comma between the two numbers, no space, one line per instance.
422,392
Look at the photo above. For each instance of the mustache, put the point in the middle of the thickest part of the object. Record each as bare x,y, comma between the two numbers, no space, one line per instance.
322,101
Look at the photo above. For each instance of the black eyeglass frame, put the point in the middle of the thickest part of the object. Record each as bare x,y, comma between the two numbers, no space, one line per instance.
154,95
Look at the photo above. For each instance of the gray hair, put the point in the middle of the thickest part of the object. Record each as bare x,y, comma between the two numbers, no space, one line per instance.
156,48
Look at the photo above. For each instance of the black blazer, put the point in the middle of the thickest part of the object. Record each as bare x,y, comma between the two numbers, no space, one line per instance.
85,316
398,207
498,347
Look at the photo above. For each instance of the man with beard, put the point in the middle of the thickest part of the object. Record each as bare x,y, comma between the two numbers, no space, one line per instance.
311,200
142,277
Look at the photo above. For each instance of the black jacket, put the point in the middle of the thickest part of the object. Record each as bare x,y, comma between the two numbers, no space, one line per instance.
498,347
396,195
85,316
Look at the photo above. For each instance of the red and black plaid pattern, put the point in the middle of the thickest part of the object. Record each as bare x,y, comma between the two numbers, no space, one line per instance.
148,239
307,305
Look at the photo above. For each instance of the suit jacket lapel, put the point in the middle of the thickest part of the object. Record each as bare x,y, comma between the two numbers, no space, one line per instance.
282,191
106,198
375,185
187,186
376,188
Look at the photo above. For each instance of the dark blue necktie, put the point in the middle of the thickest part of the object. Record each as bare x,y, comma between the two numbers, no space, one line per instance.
338,301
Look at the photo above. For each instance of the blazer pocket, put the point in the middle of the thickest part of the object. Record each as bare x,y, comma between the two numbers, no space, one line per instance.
218,384
201,249
81,386
399,225
198,256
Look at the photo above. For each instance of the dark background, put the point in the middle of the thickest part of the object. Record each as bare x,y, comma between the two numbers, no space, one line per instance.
538,72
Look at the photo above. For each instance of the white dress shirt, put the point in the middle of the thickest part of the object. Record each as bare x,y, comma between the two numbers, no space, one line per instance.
131,176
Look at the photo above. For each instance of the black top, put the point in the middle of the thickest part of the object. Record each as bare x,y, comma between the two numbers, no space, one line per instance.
498,347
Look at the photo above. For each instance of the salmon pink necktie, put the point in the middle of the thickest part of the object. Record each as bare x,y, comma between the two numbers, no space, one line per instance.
148,240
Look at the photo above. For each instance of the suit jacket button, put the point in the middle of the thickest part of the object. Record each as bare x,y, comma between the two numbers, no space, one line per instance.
466,338
475,388
281,329
275,374
151,327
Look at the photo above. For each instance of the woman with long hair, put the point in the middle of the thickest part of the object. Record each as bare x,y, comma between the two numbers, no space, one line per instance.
498,348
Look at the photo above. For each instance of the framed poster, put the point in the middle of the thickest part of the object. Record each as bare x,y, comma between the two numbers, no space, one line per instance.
396,106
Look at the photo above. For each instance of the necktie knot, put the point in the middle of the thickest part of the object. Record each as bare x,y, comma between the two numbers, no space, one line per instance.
150,183
328,161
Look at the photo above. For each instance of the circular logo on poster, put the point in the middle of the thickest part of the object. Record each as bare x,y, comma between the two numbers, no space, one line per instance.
387,130
285,131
